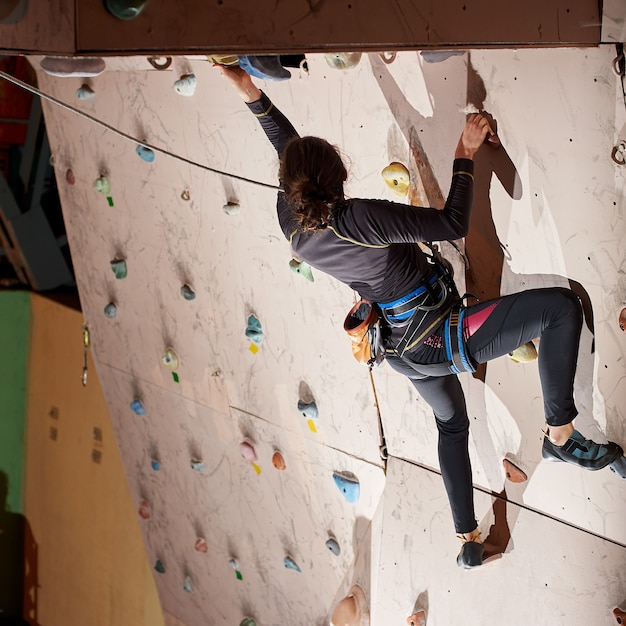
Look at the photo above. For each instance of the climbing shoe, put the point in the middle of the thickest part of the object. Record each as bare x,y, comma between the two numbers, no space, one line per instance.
582,452
471,554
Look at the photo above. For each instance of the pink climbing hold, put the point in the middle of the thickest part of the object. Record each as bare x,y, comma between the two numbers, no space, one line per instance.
201,545
247,451
69,177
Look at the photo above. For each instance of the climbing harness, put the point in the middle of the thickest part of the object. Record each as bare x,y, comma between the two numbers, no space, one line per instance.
453,338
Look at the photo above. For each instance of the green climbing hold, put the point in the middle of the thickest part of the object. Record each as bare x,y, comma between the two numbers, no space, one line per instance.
110,310
159,567
254,331
102,185
119,268
302,268
247,621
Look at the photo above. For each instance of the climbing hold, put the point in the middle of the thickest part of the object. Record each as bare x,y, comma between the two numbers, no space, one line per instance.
156,466
69,177
524,354
170,359
187,292
234,563
201,545
622,320
618,154
435,56
619,466
278,461
125,9
349,611
397,177
417,619
110,310
343,60
349,485
333,546
144,509
231,208
493,140
102,185
145,153
186,195
223,59
308,409
247,451
302,268
160,65
254,331
197,465
247,621
187,586
85,92
619,615
137,407
186,85
159,567
119,268
514,473
289,563
64,67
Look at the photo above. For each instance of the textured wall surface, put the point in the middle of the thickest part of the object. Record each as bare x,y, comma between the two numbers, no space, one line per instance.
549,209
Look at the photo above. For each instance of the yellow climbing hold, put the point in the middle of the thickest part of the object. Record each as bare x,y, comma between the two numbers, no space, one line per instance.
397,178
257,469
254,348
524,354
311,424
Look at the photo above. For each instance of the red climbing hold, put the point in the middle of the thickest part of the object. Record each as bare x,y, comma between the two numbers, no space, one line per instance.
514,473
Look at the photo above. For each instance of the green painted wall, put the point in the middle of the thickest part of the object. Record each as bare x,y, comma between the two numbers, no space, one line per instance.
14,336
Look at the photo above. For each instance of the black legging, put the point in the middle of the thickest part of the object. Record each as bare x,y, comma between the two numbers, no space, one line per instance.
554,315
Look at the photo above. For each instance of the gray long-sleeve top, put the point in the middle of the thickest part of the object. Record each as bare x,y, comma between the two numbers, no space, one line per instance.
370,245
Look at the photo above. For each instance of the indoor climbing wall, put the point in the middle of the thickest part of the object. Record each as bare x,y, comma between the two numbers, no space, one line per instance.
251,437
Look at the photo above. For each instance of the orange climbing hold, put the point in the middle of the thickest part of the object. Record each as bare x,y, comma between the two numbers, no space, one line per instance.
279,461
417,619
514,473
619,615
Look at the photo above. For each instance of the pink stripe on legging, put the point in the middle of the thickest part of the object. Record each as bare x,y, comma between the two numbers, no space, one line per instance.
473,321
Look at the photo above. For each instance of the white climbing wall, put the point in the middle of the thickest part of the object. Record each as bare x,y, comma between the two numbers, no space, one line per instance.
550,205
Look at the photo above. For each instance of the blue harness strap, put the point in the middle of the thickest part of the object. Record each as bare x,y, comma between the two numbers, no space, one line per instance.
455,346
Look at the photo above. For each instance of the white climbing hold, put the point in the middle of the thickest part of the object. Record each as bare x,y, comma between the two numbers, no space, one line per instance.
66,67
85,92
186,85
231,208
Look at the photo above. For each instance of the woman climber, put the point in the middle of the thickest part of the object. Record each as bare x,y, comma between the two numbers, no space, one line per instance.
370,245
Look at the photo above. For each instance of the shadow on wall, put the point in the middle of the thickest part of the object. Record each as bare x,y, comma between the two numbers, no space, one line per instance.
18,565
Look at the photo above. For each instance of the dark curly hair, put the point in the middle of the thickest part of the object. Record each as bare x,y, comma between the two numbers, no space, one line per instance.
312,175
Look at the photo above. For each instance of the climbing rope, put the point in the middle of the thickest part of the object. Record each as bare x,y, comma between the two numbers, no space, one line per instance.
116,131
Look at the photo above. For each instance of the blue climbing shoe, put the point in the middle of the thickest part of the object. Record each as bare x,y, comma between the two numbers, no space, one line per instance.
471,554
582,452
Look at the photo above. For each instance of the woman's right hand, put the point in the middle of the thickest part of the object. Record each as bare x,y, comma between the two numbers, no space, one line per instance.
476,129
241,82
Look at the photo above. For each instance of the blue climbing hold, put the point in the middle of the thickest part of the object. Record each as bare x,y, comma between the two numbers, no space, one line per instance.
156,466
333,546
349,486
308,409
289,563
197,465
138,407
266,67
145,153
254,331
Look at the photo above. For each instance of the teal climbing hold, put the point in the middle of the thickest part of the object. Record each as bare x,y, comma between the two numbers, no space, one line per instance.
187,586
349,485
110,310
85,92
289,563
308,409
254,331
125,9
186,85
302,268
333,546
138,407
119,268
145,153
102,185
187,292
159,567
